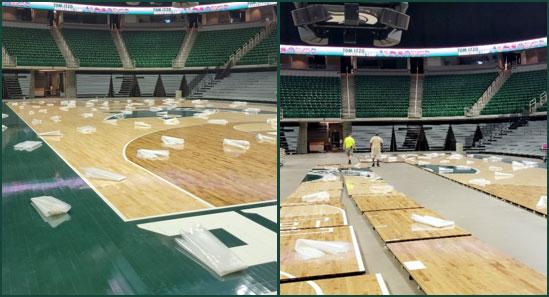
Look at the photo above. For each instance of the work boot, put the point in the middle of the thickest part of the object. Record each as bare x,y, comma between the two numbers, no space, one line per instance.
349,162
377,163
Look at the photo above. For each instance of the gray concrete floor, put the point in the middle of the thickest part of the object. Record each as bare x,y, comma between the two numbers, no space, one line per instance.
513,230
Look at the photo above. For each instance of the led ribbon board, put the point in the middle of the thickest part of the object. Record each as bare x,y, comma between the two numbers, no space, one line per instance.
83,8
413,52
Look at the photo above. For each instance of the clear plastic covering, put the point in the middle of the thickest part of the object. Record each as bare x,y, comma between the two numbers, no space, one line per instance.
455,157
542,202
495,168
162,114
235,143
205,114
432,221
445,170
51,133
86,129
469,162
238,104
423,163
49,206
444,161
273,123
462,167
36,122
208,250
381,189
170,141
4,128
252,110
155,108
171,122
113,122
221,122
522,165
27,145
87,115
480,182
141,125
55,119
102,174
311,249
501,175
31,112
153,154
43,110
265,138
322,196
492,159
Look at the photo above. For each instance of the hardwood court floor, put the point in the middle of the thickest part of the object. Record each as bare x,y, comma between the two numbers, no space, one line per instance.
311,216
203,168
524,188
142,194
351,285
294,268
384,202
397,225
466,265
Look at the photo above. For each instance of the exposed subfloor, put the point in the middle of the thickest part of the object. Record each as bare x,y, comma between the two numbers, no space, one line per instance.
516,231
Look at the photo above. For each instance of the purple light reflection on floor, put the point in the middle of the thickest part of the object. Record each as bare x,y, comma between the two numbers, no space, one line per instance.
14,188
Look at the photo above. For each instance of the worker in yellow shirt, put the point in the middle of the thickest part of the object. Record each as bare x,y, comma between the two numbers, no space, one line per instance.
349,145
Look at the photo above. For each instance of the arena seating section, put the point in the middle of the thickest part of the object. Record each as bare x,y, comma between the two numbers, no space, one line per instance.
517,92
153,48
261,53
260,86
448,95
381,96
213,48
525,140
32,47
310,97
94,48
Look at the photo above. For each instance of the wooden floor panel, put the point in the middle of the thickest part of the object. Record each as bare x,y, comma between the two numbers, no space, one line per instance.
294,268
142,194
203,168
348,285
384,202
397,225
466,265
311,216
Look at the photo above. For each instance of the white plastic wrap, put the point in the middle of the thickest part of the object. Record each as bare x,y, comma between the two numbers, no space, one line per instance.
502,175
423,163
4,128
87,115
51,133
392,159
462,167
307,249
49,206
86,129
445,170
4,115
127,111
97,173
329,177
381,189
27,145
162,114
518,166
90,104
55,119
153,154
240,144
273,123
493,159
316,197
36,122
495,168
210,251
205,114
221,122
531,164
444,161
170,141
469,162
480,182
265,138
155,108
141,125
455,157
31,112
542,202
252,110
238,104
63,108
113,122
171,122
432,221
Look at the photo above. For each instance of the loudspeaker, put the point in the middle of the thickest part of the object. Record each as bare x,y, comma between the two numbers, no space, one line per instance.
309,15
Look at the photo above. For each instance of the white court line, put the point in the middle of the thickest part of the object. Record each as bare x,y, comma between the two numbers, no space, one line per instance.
76,171
382,284
269,212
323,230
357,250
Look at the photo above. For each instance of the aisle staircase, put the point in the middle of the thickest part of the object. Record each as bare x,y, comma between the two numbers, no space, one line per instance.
186,46
12,86
416,96
348,96
127,61
70,59
494,87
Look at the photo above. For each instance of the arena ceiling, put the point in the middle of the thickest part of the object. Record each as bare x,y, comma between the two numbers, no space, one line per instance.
450,24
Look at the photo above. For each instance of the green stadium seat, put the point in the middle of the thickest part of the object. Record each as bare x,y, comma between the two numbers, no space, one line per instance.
32,47
153,48
94,48
516,93
310,96
265,52
213,48
381,96
448,95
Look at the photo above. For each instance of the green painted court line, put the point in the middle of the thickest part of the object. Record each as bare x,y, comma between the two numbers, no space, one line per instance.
94,252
